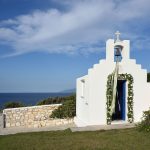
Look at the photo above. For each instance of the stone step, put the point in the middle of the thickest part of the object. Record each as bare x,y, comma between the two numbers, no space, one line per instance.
103,127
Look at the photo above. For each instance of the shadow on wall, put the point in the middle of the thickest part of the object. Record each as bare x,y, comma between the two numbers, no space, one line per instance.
4,120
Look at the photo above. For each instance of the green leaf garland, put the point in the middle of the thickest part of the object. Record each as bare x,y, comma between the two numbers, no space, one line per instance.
109,95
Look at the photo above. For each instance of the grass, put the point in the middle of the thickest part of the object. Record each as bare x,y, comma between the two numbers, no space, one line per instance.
126,139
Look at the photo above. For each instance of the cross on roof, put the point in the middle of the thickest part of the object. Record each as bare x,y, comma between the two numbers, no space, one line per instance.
117,36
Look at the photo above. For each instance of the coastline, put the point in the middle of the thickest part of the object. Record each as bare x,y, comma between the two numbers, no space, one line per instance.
29,99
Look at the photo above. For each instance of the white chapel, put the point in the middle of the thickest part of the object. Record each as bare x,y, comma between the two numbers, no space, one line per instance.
115,90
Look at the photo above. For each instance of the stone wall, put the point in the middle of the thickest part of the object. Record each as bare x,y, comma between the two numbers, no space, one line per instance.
34,116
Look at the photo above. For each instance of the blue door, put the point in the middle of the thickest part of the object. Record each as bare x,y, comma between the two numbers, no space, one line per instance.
120,101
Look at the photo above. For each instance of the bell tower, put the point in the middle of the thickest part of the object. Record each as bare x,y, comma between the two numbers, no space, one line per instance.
117,47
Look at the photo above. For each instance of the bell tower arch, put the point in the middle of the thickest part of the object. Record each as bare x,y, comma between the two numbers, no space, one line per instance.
123,46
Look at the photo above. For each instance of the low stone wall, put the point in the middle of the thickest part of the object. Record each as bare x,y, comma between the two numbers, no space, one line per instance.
34,116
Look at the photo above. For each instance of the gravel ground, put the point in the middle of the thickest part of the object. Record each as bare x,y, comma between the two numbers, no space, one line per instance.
7,131
14,130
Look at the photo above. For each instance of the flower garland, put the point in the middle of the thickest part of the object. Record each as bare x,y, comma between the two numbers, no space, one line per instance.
109,95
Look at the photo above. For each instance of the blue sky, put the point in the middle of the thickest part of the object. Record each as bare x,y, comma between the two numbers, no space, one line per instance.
46,45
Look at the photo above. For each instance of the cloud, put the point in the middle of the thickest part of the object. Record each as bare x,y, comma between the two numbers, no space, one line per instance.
79,29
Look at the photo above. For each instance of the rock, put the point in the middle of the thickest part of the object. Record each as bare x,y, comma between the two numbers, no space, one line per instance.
7,124
18,124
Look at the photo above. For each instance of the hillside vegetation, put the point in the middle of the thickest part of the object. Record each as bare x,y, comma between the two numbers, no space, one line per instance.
55,100
67,109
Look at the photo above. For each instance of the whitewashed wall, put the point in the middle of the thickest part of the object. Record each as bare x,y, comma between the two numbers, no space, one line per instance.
91,109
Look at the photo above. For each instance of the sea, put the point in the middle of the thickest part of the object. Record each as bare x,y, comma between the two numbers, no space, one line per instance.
28,99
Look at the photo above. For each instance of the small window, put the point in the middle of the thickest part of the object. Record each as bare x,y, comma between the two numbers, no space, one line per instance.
82,88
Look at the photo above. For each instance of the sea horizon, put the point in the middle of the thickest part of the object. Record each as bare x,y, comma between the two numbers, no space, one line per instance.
29,98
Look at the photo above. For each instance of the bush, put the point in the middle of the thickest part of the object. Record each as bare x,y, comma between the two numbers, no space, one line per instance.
13,105
148,77
67,109
52,100
144,125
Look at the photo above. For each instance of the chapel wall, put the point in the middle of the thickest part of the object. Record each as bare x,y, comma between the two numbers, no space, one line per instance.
34,116
82,96
140,98
97,82
97,91
148,94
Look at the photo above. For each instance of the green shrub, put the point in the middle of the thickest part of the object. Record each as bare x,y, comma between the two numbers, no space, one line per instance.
148,77
52,100
144,125
67,109
13,105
